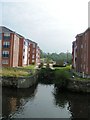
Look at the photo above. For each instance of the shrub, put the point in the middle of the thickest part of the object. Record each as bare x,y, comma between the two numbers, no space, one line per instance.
45,75
61,78
58,77
41,65
58,65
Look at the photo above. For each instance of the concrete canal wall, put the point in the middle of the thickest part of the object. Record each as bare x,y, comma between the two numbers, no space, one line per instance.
79,85
20,82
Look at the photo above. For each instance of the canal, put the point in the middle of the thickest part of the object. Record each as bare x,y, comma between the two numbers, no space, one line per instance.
44,101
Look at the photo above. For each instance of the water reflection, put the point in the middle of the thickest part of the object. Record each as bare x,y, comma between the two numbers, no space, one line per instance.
78,104
14,99
47,100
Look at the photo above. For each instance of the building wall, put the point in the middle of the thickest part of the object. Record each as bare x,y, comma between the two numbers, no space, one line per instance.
82,52
21,43
0,49
15,51
79,54
88,47
11,50
25,52
74,54
20,51
38,55
6,61
33,47
28,53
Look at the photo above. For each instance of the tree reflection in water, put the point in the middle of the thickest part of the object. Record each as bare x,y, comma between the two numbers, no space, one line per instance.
60,98
14,99
78,103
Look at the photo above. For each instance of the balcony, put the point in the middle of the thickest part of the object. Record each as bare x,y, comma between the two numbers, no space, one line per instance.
6,46
5,55
6,37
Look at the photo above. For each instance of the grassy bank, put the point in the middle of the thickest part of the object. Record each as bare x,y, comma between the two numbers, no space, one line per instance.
59,75
17,72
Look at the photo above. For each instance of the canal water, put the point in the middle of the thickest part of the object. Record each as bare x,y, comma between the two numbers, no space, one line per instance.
44,101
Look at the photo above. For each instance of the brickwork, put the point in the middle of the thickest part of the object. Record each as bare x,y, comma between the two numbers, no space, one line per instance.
81,52
15,50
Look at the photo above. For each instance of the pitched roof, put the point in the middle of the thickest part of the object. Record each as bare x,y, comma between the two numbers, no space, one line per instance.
5,29
31,41
79,35
19,35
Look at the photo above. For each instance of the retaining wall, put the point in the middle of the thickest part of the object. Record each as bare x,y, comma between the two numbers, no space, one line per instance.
20,82
79,85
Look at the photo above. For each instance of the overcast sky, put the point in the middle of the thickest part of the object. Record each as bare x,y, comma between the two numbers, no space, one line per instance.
53,24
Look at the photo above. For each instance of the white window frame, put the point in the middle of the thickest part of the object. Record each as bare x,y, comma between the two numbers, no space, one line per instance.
6,34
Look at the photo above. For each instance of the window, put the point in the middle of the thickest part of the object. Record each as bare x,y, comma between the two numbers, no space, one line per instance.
4,61
24,42
81,46
24,50
32,56
6,36
5,54
23,57
6,44
33,61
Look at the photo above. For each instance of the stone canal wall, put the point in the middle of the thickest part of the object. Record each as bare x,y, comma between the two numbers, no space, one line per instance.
79,85
20,82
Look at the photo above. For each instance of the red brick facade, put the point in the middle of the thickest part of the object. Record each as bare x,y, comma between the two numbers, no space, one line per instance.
81,52
16,50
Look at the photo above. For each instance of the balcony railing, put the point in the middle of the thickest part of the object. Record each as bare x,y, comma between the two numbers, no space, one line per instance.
6,46
6,37
5,55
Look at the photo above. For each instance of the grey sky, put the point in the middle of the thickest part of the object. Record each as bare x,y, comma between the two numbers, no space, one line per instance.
53,24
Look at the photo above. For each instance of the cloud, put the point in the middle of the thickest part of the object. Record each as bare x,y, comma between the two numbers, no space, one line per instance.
51,23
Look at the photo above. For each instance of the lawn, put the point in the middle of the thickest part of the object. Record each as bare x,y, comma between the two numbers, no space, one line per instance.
64,68
17,71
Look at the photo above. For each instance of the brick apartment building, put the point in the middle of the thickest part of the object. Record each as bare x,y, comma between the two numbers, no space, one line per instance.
37,55
15,50
32,51
81,53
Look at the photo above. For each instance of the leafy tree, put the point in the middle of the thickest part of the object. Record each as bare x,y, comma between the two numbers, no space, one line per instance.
65,57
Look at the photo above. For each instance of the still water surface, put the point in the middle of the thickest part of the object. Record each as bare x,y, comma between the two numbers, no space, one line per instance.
43,101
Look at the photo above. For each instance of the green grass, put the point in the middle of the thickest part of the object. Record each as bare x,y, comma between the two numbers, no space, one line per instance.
64,68
17,72
28,67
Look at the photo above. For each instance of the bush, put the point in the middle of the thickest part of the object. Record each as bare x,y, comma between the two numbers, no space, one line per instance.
61,78
45,75
58,77
41,65
58,65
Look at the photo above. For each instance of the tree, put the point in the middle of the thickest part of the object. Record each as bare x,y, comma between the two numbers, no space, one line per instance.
57,57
